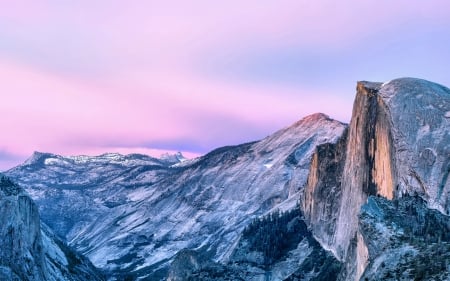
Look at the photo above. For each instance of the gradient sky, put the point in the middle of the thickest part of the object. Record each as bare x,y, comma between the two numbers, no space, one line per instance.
87,77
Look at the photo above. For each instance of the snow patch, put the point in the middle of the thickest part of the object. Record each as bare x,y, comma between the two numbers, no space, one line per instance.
36,193
385,83
423,131
51,161
139,194
53,250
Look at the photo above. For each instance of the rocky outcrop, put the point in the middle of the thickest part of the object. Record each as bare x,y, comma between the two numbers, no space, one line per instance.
398,144
22,255
405,240
27,252
274,247
185,263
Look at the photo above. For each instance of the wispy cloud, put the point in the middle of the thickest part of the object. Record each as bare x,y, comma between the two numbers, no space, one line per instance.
85,76
8,160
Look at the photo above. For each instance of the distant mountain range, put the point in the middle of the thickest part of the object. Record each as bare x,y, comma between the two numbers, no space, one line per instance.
318,200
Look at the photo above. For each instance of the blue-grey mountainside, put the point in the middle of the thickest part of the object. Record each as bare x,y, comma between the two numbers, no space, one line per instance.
130,215
319,200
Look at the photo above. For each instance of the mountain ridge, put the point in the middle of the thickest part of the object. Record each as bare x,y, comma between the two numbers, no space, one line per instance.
214,189
140,216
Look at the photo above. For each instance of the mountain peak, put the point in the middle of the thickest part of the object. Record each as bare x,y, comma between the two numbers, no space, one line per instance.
315,120
316,117
367,86
414,88
38,157
405,85
174,158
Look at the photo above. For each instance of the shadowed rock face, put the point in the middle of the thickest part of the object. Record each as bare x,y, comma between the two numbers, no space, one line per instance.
323,191
398,143
22,257
29,253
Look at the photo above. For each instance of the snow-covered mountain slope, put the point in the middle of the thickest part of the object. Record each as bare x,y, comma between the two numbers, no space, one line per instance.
73,191
398,143
29,251
133,219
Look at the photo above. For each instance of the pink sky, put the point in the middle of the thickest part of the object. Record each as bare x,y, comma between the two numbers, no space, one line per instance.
88,77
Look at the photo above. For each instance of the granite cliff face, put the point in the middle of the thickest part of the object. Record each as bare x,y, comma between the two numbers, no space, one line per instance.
29,252
22,255
398,144
229,214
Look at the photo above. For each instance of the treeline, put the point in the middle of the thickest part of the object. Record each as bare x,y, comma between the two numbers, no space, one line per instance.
276,234
419,222
8,186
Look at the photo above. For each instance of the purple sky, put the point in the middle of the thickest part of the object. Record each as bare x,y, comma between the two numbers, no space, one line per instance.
87,77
